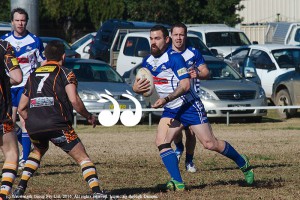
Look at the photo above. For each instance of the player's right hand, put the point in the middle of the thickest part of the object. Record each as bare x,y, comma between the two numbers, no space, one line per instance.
93,120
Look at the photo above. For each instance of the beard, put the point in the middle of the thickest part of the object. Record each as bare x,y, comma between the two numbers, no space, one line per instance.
155,51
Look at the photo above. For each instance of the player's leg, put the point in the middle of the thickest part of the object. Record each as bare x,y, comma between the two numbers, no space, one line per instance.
205,135
164,137
26,143
9,147
190,148
32,163
89,172
179,145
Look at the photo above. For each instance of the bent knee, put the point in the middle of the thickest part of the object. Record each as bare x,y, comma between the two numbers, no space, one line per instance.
210,145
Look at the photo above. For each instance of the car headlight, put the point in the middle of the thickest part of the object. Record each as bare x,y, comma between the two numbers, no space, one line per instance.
88,96
261,93
205,95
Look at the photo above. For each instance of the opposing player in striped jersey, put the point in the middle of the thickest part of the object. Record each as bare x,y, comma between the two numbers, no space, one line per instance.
51,93
182,108
8,140
197,70
29,52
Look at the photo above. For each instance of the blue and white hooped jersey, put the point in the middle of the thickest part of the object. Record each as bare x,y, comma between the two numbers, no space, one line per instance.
29,52
167,71
193,59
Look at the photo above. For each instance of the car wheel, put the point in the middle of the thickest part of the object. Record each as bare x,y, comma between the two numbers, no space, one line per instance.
283,99
257,119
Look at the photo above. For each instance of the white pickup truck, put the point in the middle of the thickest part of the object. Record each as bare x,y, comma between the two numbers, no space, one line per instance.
136,45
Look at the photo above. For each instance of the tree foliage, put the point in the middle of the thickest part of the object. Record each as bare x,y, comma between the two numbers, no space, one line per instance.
5,10
78,16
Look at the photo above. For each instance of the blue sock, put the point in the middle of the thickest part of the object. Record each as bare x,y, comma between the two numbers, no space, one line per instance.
170,161
231,153
189,158
179,147
19,135
26,144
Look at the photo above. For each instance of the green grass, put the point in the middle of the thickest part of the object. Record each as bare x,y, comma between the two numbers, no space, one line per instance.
129,165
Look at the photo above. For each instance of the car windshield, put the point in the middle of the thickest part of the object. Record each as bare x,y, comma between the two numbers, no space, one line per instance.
287,58
198,44
94,72
214,39
81,41
221,70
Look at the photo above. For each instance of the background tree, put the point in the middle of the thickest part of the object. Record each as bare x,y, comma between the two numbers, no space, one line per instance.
5,10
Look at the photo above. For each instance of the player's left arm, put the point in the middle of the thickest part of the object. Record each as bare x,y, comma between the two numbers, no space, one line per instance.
202,71
22,107
78,105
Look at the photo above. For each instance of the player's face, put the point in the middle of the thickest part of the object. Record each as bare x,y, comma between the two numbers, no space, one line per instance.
158,42
178,39
19,24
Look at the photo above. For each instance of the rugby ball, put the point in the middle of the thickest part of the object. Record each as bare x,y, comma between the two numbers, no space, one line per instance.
144,73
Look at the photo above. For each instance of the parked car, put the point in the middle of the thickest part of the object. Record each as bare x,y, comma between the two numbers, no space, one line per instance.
224,88
96,77
5,27
219,38
286,91
270,61
136,45
70,53
82,45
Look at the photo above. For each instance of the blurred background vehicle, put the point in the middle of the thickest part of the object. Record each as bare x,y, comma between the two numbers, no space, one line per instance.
286,91
136,46
96,77
70,53
5,27
219,38
225,88
83,45
269,60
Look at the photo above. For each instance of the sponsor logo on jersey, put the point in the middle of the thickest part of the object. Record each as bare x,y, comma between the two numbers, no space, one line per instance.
159,81
41,102
47,68
181,71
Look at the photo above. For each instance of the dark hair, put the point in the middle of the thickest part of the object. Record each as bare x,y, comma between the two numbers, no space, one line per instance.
54,50
20,11
161,28
179,25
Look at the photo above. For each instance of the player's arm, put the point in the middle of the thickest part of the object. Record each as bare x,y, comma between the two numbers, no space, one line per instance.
183,87
141,85
22,107
202,72
16,76
12,66
78,105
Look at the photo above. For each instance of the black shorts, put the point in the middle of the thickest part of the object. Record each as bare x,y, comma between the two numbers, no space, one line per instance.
65,139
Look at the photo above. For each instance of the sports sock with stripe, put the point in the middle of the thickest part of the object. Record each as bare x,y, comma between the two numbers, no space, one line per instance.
231,153
90,175
171,162
26,144
9,172
31,166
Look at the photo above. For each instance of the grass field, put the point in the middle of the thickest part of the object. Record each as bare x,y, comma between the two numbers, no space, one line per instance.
129,165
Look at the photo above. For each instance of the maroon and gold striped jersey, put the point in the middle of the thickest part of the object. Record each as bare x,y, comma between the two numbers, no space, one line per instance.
49,107
8,62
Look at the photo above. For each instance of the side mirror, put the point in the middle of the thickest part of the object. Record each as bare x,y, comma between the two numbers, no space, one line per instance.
214,52
250,75
254,42
86,49
143,53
